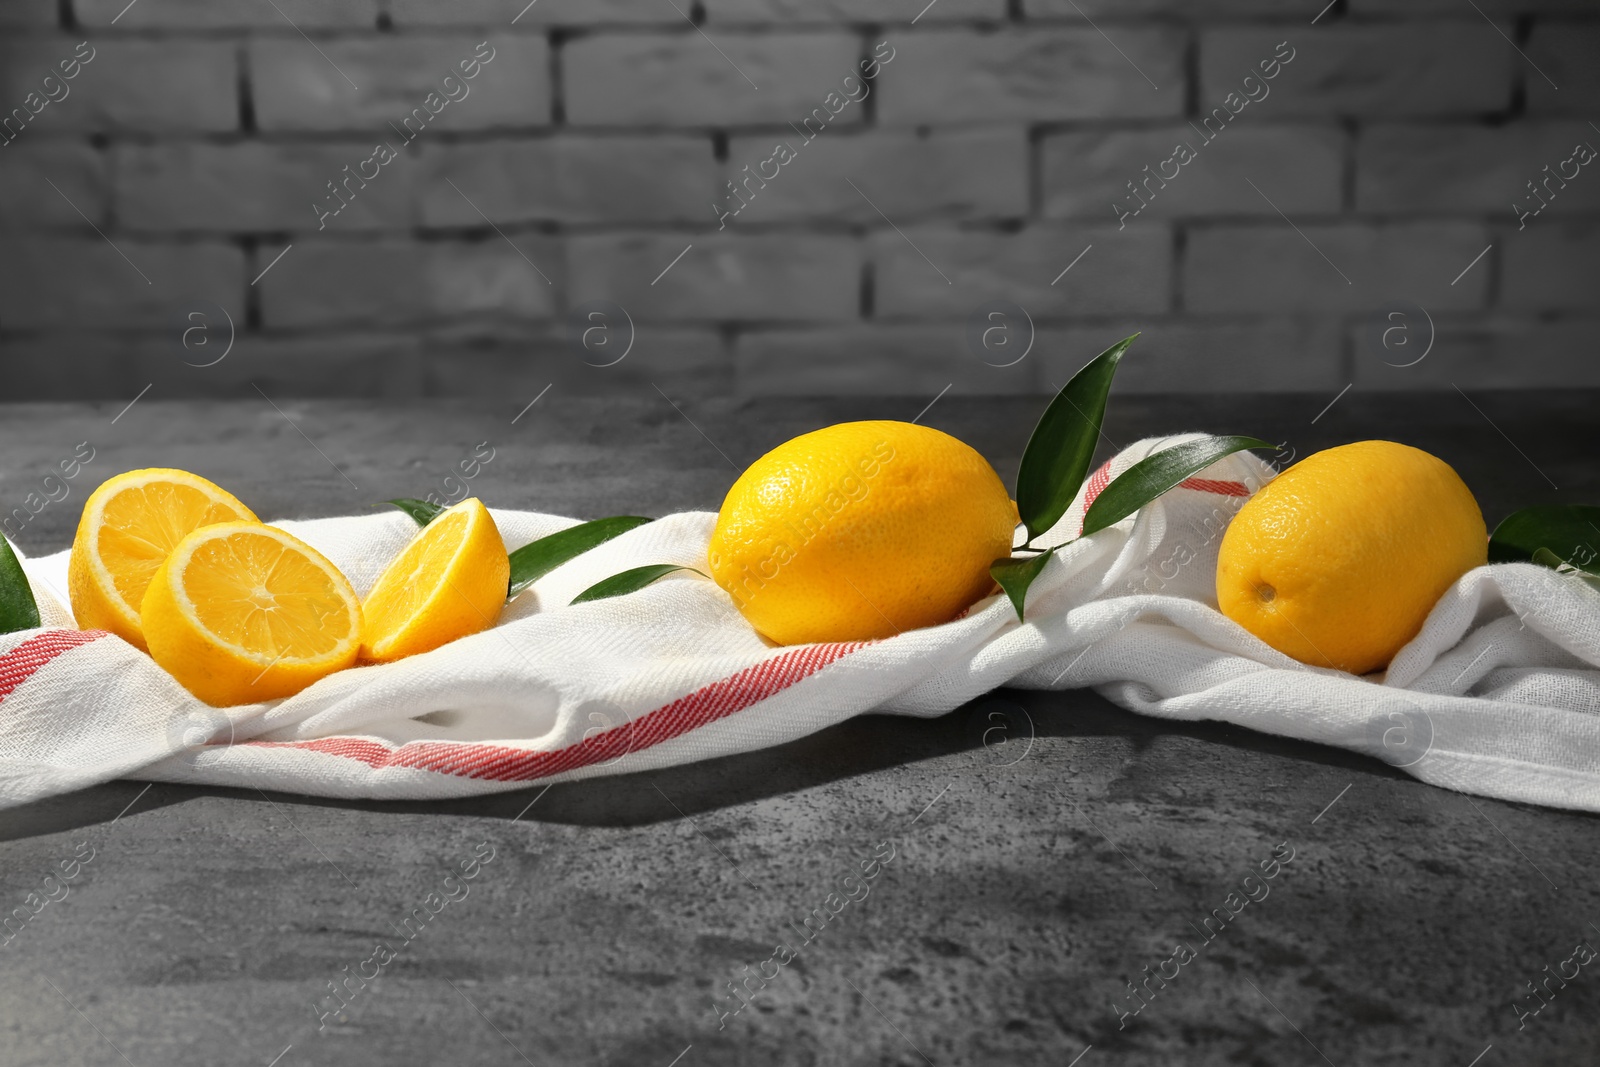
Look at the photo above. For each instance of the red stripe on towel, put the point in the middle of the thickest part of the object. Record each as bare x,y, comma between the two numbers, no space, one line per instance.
1206,485
500,763
20,664
1097,484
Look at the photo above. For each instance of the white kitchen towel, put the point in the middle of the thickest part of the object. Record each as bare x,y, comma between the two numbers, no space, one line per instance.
1499,695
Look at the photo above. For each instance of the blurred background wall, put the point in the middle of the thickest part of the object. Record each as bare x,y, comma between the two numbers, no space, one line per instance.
1396,194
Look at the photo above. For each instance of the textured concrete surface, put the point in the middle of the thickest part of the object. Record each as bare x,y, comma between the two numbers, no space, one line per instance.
1046,848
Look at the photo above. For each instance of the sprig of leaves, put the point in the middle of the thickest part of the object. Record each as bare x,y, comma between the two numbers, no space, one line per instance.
1015,575
1156,473
538,558
630,581
1563,537
1567,530
18,610
1058,455
1056,462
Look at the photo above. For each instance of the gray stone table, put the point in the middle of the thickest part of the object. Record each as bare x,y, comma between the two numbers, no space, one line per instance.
1032,875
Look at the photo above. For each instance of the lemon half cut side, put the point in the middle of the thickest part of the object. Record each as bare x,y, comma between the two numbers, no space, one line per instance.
240,612
450,581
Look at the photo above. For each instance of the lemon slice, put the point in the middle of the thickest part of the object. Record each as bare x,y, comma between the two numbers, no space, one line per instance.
450,581
129,525
240,612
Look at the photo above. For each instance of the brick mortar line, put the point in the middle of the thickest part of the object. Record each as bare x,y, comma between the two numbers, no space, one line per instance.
449,324
668,28
557,72
1176,295
833,225
1355,127
1349,158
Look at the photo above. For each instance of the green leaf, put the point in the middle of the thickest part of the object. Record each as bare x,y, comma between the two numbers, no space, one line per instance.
1155,474
630,581
1016,575
17,608
538,558
1058,454
420,510
1546,558
1570,531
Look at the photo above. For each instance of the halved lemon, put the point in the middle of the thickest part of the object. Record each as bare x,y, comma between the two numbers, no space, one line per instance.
129,525
240,612
450,581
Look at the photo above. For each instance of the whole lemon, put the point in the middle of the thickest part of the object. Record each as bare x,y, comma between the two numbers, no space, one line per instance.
1338,560
860,531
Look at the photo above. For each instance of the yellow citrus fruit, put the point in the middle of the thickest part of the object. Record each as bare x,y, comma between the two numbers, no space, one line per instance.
129,525
240,612
860,531
450,581
1339,559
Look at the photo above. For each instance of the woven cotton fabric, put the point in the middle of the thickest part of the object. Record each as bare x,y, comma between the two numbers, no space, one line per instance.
1498,696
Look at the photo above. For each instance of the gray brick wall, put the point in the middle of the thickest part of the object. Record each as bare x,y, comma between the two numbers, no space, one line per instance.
956,175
